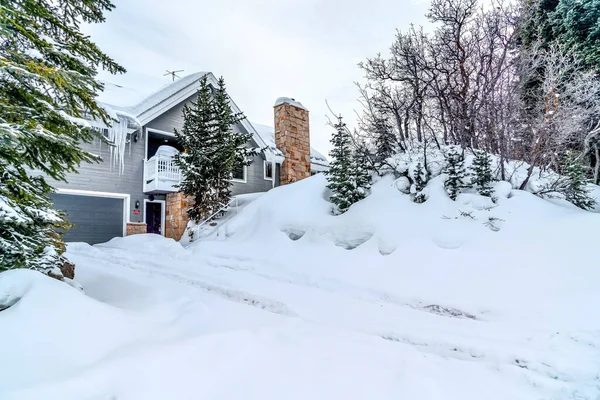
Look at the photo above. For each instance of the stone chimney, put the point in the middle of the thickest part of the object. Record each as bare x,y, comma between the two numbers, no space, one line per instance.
292,137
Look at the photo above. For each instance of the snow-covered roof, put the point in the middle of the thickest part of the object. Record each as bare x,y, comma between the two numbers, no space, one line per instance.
132,103
268,133
137,102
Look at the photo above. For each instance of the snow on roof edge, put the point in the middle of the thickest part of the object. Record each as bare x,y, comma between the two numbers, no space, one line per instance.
158,96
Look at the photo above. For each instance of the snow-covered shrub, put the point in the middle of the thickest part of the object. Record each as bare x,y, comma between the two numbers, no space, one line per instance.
419,176
403,184
455,171
482,173
490,178
575,188
348,178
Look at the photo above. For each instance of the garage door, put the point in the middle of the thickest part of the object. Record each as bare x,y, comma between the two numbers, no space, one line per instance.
96,219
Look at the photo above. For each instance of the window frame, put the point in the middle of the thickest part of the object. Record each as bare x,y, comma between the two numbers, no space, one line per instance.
265,163
245,172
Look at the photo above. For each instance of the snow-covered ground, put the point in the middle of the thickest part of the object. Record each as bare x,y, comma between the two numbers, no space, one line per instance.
393,300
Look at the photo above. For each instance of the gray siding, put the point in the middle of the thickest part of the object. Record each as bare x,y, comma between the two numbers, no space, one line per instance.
255,179
170,120
102,177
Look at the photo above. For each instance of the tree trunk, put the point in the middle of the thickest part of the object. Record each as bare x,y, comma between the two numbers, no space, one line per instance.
597,163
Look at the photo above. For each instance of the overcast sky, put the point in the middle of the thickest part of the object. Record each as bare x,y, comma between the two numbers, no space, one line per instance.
307,50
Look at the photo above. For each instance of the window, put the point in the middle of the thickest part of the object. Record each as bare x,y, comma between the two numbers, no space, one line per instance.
239,173
268,168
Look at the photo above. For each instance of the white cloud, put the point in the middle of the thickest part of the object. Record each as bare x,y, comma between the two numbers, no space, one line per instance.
265,49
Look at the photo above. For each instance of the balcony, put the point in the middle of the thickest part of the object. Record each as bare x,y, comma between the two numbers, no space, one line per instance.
161,175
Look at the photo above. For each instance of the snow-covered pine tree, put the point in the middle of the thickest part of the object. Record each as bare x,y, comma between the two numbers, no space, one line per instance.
212,150
419,183
574,24
575,190
455,169
342,173
385,141
198,139
482,173
47,88
361,176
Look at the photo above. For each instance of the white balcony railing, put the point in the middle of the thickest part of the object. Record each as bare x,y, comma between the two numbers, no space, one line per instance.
161,174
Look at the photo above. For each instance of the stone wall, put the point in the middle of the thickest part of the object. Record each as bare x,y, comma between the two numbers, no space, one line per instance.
176,218
135,228
292,137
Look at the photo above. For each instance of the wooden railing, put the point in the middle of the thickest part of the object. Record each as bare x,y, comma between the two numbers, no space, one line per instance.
161,174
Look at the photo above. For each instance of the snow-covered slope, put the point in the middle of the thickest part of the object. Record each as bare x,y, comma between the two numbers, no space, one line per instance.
392,300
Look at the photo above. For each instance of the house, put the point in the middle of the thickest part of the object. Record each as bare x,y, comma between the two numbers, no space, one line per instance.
134,188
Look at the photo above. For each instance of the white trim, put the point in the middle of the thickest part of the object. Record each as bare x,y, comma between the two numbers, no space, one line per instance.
265,162
165,133
163,213
126,201
318,167
145,130
277,159
245,180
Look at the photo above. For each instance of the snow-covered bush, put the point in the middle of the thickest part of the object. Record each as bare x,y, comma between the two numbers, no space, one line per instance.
482,173
420,177
491,178
576,190
455,171
403,184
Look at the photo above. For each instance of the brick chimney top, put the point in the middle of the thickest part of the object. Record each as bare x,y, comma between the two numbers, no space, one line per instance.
290,101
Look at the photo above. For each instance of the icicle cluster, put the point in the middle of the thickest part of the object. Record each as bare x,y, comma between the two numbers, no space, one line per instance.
117,137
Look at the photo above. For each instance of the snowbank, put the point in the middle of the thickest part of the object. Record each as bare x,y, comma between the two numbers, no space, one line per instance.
465,299
52,330
150,243
502,247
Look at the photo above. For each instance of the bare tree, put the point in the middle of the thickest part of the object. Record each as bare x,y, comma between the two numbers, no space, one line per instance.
469,83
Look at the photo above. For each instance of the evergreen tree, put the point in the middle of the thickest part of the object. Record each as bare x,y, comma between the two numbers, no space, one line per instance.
537,27
212,150
419,183
482,173
455,169
198,139
47,88
347,177
361,176
575,190
575,25
385,141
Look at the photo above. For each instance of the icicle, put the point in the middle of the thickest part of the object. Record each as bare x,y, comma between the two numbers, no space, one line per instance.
117,136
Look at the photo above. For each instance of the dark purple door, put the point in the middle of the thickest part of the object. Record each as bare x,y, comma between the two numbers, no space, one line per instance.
153,217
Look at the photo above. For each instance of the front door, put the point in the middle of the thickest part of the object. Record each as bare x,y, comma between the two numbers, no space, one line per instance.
154,217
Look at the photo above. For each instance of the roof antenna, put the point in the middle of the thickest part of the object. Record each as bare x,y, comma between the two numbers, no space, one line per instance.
173,73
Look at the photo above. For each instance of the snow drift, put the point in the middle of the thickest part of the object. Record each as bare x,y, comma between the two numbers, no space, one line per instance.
464,299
